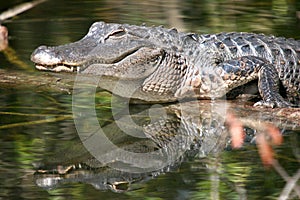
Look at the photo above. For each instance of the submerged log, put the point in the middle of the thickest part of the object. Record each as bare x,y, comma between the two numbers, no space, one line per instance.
42,81
64,82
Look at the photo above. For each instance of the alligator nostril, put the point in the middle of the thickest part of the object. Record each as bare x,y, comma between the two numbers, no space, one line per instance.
40,49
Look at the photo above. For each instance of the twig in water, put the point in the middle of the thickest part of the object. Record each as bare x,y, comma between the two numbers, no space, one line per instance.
19,9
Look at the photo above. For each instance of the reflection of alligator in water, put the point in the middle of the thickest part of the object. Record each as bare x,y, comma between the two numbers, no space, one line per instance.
155,64
167,136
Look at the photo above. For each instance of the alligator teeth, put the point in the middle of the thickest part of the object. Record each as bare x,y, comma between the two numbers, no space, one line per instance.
41,67
58,68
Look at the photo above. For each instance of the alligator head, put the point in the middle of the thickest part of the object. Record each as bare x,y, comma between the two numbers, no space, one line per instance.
108,46
137,55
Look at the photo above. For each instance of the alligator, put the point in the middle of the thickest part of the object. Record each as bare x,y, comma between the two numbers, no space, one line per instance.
155,64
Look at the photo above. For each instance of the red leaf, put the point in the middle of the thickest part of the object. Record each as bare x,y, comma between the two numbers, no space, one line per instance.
236,130
265,150
274,133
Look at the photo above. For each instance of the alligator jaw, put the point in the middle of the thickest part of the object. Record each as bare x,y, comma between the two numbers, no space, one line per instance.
135,63
58,68
46,62
47,59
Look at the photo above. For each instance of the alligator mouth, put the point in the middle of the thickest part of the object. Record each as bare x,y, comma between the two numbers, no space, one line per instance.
64,67
117,64
58,67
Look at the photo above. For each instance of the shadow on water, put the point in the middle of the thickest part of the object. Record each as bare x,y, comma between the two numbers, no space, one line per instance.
185,147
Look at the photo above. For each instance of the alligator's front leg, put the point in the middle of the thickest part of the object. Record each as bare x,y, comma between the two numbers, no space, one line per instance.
248,68
268,86
240,71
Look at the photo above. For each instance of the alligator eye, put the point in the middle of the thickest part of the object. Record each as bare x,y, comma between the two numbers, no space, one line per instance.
117,33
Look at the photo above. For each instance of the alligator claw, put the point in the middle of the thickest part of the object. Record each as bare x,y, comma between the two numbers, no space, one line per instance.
273,104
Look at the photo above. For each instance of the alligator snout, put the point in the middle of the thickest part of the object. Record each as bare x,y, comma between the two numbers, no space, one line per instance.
47,58
44,55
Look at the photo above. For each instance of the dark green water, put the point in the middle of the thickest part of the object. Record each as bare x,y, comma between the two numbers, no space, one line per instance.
37,125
